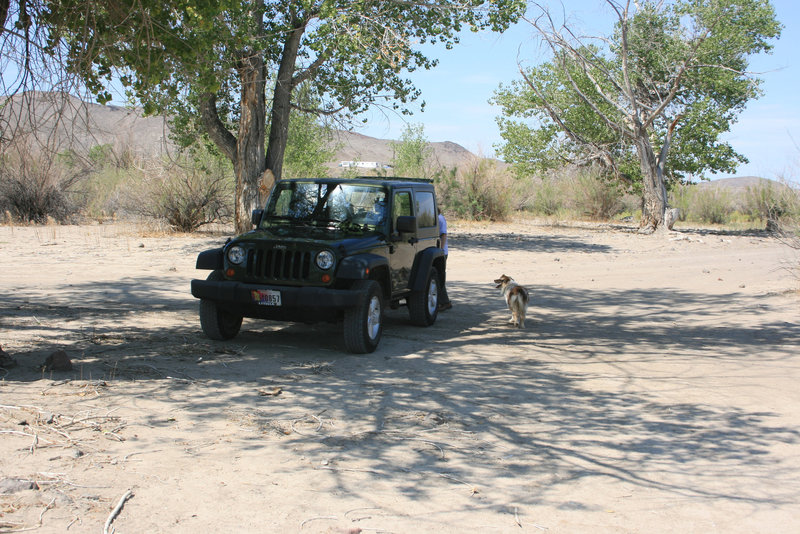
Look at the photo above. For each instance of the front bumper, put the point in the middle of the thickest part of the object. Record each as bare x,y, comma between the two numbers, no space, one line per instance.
238,295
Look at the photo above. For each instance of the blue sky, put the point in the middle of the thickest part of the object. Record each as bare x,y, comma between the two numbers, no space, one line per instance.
457,91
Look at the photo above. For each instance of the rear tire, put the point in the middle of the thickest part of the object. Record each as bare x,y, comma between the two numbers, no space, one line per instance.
363,324
423,306
216,323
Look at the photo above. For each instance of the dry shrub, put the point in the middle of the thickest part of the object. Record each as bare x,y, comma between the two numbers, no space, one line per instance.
573,193
480,190
594,196
547,197
186,194
36,187
776,204
712,205
681,196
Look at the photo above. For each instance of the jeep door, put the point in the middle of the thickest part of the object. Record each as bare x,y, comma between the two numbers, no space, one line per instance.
403,246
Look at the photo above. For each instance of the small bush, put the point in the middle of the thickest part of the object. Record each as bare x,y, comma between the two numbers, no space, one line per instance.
479,191
186,195
770,203
596,197
36,187
547,198
682,197
711,205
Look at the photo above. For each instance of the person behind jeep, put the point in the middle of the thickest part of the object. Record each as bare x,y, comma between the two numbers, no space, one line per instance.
444,299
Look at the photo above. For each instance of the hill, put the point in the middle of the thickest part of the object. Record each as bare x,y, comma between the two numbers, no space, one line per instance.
63,122
737,184
353,146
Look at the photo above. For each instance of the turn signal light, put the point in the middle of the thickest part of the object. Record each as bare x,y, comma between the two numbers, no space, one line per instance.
326,278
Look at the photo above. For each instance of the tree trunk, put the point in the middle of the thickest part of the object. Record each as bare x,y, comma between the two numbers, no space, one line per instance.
247,151
281,103
4,6
250,162
654,191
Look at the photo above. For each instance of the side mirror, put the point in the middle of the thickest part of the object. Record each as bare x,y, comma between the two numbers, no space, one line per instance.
407,224
255,217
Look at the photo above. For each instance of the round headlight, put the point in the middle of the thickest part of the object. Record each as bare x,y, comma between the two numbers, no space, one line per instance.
325,260
236,255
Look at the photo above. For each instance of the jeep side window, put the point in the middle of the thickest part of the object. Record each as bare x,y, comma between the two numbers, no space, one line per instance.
401,206
426,212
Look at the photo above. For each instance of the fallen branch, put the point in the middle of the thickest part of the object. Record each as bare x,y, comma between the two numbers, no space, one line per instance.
46,508
115,512
309,520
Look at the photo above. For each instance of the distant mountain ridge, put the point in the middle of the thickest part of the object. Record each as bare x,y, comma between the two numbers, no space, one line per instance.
65,122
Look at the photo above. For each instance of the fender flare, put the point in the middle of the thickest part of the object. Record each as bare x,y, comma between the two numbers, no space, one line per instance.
210,259
360,266
422,265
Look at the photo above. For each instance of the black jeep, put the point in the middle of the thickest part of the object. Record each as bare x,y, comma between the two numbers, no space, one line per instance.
327,250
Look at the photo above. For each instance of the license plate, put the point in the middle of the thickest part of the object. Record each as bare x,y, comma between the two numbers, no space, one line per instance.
266,297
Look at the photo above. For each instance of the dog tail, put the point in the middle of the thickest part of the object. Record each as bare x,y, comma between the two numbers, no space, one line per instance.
520,295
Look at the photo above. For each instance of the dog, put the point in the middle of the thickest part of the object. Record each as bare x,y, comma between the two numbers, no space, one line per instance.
517,298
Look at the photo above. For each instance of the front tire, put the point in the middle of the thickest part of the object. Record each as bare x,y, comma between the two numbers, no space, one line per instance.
423,306
216,323
363,324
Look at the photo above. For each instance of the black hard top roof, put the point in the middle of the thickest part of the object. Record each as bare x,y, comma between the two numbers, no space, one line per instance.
389,181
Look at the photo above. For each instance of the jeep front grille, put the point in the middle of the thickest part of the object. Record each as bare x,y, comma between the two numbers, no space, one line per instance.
277,264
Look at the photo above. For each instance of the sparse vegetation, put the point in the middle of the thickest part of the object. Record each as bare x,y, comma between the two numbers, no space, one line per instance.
186,195
108,181
774,204
37,185
477,191
711,205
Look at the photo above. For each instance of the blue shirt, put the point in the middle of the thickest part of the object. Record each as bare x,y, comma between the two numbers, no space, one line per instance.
443,230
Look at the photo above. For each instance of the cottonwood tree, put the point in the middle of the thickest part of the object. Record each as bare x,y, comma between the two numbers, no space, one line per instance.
647,103
229,69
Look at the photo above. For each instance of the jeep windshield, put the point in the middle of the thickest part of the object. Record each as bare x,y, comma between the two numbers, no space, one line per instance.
325,206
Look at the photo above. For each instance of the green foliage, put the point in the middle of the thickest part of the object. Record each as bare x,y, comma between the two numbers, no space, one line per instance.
101,189
573,193
596,197
681,197
309,145
172,54
308,149
101,154
548,199
412,153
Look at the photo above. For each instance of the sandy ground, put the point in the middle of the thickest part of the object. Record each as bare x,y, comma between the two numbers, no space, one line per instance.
655,389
